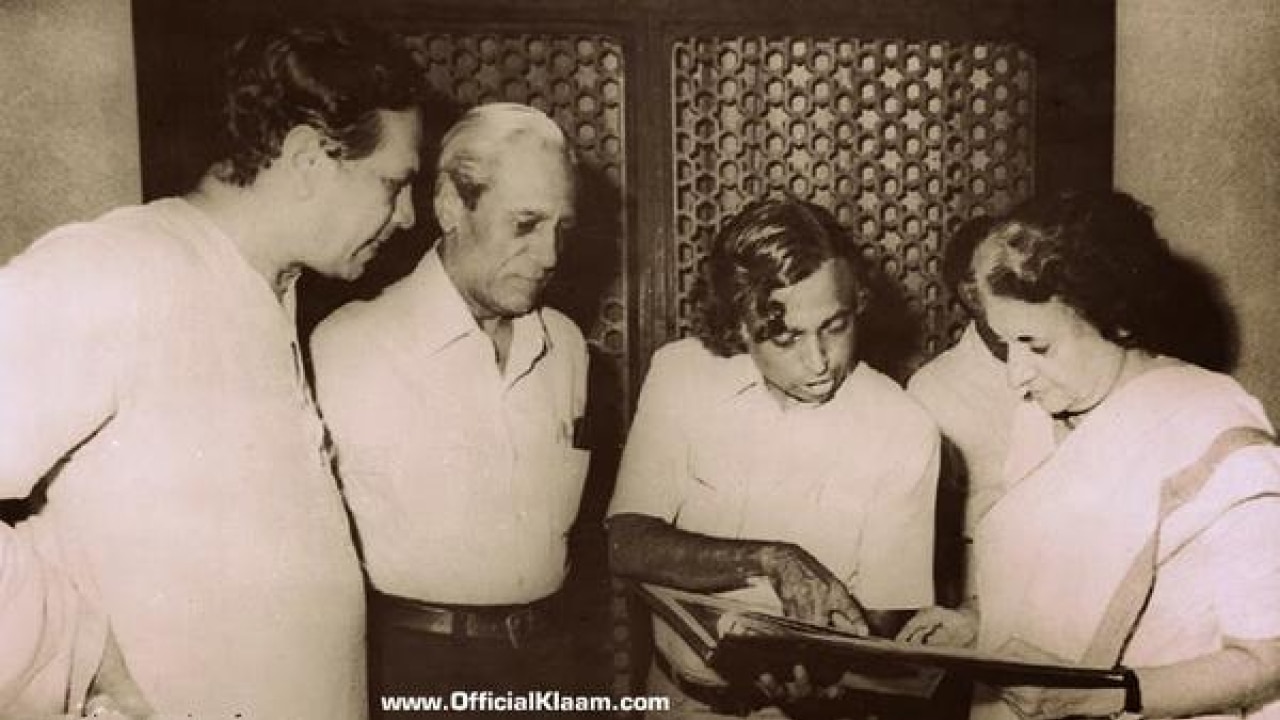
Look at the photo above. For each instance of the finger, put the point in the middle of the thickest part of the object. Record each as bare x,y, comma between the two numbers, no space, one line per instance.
801,686
809,607
914,629
857,626
768,685
790,607
1023,650
842,602
1025,701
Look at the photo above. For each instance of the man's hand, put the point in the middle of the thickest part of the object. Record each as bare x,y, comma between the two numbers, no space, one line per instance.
809,591
804,698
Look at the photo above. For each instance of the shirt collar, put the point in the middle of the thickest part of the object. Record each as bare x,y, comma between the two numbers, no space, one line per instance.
972,342
443,318
740,376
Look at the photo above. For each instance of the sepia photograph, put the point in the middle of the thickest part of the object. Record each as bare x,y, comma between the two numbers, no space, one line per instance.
811,359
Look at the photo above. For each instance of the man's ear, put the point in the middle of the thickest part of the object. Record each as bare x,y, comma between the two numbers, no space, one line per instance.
967,293
303,158
448,206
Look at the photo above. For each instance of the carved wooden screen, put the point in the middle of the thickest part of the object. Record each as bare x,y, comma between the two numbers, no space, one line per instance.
901,139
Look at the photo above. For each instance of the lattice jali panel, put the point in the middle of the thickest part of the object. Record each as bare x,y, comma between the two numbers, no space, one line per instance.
902,140
578,81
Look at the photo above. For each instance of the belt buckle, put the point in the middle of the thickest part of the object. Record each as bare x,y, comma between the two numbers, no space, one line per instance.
518,625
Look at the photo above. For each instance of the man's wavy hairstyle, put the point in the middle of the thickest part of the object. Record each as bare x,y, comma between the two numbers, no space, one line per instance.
332,77
770,244
1097,252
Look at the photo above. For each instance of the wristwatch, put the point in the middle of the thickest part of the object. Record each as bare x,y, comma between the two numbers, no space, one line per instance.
1132,697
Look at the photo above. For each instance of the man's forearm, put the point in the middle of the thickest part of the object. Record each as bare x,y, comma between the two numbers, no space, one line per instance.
651,550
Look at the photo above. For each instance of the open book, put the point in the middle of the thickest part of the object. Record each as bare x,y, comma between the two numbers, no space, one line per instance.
740,641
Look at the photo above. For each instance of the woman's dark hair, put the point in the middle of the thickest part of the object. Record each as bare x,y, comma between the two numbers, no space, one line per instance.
770,244
1098,253
334,78
957,257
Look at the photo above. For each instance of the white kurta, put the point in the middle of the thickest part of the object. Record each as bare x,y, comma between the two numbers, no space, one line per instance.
156,375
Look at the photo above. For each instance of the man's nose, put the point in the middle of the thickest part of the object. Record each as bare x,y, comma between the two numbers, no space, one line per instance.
816,357
404,216
1018,366
545,248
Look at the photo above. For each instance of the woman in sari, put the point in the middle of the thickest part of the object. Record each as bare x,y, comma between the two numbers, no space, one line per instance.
1140,523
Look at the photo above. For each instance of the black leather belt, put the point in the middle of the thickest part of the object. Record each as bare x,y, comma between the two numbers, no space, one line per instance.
721,699
516,624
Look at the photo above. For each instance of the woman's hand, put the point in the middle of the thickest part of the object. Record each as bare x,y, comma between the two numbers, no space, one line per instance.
941,626
1039,703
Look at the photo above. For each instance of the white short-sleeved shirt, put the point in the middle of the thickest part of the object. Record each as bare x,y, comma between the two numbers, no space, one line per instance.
966,390
463,478
154,375
852,481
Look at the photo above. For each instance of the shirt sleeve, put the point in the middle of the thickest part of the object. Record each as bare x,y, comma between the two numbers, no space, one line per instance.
653,475
1245,550
895,566
349,391
64,319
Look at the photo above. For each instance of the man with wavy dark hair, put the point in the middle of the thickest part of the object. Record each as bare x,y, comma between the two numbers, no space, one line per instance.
152,381
765,450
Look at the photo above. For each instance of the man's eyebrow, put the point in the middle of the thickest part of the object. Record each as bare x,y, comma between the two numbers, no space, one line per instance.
844,312
528,214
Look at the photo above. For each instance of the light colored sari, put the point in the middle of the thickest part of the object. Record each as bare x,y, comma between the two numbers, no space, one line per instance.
1068,557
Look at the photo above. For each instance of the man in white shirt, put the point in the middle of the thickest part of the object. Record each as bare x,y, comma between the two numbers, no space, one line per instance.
151,378
967,392
456,403
765,449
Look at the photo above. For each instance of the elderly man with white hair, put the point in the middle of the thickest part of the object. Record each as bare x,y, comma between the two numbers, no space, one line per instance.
454,400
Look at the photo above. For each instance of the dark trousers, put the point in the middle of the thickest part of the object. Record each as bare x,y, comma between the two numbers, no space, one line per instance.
411,663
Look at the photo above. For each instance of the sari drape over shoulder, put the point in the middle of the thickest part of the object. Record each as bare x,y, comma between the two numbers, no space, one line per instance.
1068,557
